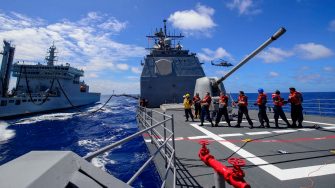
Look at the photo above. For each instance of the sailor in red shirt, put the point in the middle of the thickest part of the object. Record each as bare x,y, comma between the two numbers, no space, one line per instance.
223,104
197,105
261,103
205,103
278,102
243,109
295,98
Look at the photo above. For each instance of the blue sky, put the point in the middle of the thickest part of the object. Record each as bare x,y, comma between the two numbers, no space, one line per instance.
106,38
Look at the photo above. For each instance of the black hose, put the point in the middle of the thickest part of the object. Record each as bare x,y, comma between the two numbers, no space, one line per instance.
113,95
29,92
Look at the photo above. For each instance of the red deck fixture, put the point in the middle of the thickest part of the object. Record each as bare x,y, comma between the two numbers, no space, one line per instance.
234,176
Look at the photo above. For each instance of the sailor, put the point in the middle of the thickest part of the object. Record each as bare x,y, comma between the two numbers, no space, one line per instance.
261,103
223,103
187,106
197,105
278,102
242,103
205,103
295,98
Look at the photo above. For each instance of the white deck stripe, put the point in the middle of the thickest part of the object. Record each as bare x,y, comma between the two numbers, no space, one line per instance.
258,133
285,131
197,137
312,122
230,135
281,174
328,127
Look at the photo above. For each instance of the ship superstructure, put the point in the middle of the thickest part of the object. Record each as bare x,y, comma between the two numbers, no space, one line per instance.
169,71
41,87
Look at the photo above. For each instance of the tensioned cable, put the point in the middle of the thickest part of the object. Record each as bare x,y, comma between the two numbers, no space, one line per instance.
29,92
92,112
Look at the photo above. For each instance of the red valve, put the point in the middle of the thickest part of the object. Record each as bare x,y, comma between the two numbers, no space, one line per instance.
236,162
233,176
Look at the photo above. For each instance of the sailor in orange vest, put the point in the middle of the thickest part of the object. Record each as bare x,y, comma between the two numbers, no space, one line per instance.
261,103
278,102
197,105
223,104
295,98
205,103
243,109
187,107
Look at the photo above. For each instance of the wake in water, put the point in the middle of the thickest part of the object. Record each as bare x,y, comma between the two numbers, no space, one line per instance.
5,133
83,133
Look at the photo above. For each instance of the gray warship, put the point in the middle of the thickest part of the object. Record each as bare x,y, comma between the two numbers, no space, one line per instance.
169,71
41,87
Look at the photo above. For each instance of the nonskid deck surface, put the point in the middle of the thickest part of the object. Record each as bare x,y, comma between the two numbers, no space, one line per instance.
282,157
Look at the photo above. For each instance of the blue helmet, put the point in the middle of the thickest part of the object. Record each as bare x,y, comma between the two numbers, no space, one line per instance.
260,90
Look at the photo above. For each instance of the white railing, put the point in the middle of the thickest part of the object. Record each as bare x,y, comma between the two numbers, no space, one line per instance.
146,118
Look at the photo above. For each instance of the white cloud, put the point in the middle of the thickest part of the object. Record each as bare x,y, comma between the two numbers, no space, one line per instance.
246,7
210,55
86,43
328,69
274,74
136,70
122,66
194,22
274,55
332,25
313,51
305,78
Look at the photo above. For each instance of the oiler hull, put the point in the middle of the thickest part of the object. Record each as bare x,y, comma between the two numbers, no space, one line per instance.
19,106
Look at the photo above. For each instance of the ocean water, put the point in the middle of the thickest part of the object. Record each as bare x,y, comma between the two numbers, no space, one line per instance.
84,133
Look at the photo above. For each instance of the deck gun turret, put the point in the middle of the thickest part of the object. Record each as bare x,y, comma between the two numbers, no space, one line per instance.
214,85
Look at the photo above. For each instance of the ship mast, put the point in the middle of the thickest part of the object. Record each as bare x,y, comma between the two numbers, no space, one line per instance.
52,57
163,39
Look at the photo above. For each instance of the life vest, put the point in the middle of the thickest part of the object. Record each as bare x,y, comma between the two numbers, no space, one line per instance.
242,100
196,99
223,101
207,100
187,103
277,100
262,99
295,98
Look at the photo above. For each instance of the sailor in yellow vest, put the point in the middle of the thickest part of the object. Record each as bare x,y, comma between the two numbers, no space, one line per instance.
187,106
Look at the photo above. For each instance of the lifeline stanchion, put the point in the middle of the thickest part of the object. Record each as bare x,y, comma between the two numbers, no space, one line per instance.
234,176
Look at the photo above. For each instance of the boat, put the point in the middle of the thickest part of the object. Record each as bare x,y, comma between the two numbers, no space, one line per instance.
41,87
184,152
169,71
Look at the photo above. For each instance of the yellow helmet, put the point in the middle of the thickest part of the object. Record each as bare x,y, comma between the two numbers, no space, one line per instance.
187,95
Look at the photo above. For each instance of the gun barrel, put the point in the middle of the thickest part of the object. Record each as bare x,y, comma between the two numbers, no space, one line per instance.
274,37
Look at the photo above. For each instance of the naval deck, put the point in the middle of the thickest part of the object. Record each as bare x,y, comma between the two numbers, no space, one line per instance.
284,157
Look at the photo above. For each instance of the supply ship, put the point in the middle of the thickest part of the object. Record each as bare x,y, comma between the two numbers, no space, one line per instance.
188,155
41,88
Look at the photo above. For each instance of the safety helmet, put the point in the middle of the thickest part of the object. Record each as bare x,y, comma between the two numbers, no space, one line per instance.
277,92
292,88
260,90
187,95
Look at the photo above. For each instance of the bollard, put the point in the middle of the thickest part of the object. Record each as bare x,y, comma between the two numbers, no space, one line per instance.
234,176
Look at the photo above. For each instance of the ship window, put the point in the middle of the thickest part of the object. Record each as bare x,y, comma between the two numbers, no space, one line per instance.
11,101
3,102
29,100
17,102
48,99
35,100
24,100
39,99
